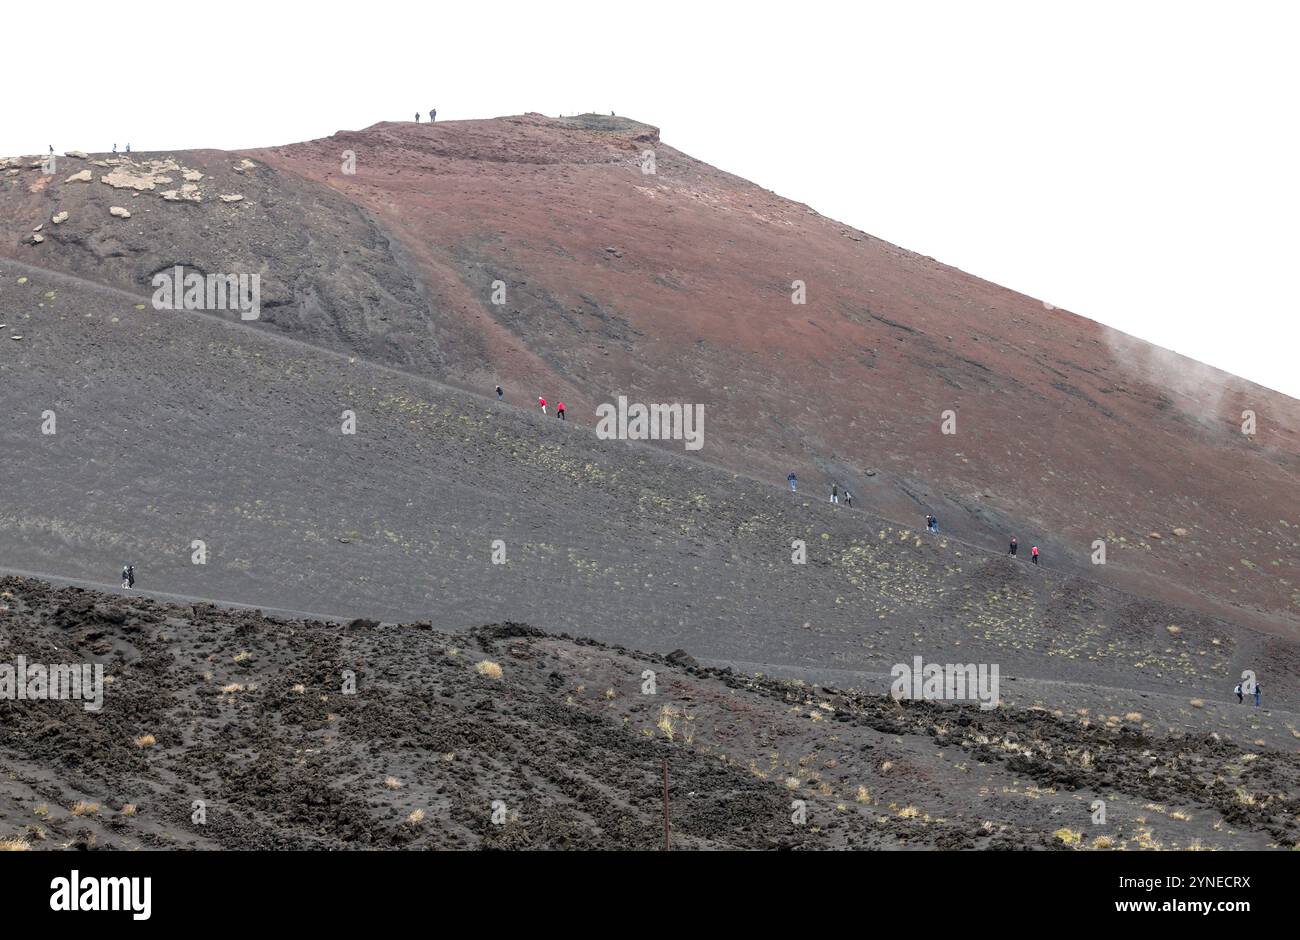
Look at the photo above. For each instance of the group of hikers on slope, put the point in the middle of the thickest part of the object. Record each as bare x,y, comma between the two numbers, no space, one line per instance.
541,402
1033,552
931,520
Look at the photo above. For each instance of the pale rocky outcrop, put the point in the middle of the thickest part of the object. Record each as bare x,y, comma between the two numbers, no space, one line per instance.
37,239
60,218
79,154
119,212
187,193
140,176
85,176
231,197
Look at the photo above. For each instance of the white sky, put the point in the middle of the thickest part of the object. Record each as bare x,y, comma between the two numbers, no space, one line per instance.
1132,162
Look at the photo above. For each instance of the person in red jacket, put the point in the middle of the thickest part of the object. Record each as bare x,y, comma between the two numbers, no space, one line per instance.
1034,552
559,411
542,401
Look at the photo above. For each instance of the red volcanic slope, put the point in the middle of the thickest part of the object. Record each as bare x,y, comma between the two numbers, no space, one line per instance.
676,287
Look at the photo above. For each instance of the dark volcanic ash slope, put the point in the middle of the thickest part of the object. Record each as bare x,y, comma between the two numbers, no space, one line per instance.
232,730
329,273
181,427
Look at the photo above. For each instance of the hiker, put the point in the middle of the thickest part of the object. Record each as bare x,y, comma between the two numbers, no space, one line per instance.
1238,691
501,393
417,117
1033,552
542,401
433,115
835,493
130,576
559,411
128,148
1257,693
934,524
51,148
1013,546
794,483
115,148
126,578
848,498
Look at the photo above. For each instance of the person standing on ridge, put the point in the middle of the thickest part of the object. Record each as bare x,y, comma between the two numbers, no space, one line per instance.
433,115
1257,693
1014,546
417,117
794,483
848,499
130,576
559,411
835,493
1238,691
115,148
128,148
542,401
1033,552
501,393
126,578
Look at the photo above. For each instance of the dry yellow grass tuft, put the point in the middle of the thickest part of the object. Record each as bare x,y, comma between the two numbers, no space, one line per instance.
1103,842
1068,836
14,844
145,740
393,783
864,795
416,817
129,809
909,812
243,656
1197,703
488,668
84,808
298,688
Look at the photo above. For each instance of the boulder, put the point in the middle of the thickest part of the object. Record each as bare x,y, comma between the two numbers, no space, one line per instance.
231,197
60,218
119,212
85,176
